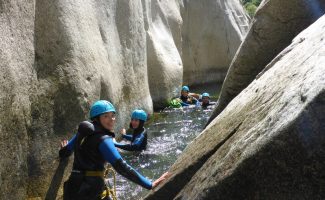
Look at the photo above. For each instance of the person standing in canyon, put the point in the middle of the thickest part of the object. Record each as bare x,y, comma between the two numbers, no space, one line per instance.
93,146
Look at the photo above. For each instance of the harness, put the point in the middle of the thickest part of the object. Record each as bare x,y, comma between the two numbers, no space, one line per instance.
109,191
87,160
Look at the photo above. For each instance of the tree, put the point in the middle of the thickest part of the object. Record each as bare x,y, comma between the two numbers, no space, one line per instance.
251,6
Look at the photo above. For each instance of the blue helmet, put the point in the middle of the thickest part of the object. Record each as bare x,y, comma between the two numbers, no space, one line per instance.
100,107
205,95
139,114
185,88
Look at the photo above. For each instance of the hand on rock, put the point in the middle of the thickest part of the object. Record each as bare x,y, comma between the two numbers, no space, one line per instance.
160,180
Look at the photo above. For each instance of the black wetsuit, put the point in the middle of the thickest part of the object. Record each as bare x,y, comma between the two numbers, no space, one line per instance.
205,105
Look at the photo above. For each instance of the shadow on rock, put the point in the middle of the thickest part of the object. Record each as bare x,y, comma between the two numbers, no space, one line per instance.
56,180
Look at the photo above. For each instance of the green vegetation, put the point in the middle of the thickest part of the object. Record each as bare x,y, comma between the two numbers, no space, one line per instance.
251,6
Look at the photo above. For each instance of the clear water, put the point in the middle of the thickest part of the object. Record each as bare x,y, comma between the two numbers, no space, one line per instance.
169,133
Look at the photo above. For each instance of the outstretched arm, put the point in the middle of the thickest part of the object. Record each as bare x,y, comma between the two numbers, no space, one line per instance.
127,137
195,101
135,146
111,155
184,104
197,96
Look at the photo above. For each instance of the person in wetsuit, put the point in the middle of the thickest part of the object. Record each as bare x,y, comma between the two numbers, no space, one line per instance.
136,134
93,147
186,98
205,100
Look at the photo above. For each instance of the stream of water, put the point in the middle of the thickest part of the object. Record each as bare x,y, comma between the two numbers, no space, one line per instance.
169,132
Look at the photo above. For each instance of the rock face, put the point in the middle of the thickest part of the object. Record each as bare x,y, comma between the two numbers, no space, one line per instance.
81,58
269,142
212,32
58,57
274,26
17,79
165,67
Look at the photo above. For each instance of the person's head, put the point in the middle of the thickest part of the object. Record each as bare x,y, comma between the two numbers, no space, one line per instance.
103,112
185,91
138,117
205,98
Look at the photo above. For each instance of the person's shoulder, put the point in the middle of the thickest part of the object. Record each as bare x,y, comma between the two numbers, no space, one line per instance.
103,139
86,128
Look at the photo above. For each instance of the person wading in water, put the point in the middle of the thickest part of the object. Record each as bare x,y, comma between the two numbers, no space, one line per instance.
93,146
136,134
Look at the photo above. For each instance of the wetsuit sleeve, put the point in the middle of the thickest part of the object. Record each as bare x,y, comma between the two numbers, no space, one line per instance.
184,104
195,101
111,155
138,141
127,147
68,149
134,146
127,137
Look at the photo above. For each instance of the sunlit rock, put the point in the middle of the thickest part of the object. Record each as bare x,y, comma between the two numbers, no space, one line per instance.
274,26
269,142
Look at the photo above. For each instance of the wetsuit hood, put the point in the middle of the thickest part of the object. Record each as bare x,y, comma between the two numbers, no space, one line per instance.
98,128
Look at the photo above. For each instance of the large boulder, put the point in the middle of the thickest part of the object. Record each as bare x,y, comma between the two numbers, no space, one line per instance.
58,57
212,32
274,26
165,67
269,142
17,79
84,51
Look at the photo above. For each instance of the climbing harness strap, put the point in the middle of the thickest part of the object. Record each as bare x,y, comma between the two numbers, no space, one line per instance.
110,191
90,173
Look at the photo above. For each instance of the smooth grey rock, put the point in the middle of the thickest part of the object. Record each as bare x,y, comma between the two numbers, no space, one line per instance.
57,58
269,142
274,26
165,67
17,79
212,32
85,51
